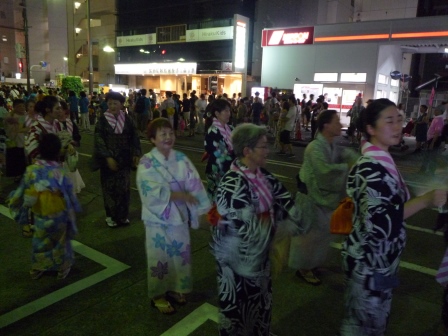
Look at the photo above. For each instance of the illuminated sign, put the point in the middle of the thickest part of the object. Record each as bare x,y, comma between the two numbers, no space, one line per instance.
240,43
287,36
209,34
156,69
136,40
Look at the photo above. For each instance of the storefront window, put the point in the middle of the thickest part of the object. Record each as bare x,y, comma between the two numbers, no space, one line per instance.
359,77
326,77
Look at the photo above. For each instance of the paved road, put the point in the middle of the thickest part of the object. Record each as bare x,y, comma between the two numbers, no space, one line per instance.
105,294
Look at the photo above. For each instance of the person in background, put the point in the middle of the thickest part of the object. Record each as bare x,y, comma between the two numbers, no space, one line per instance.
434,142
371,253
193,116
31,114
253,206
218,145
257,108
67,125
116,151
288,120
84,110
200,105
186,108
169,106
48,110
324,171
73,102
47,192
173,197
16,130
421,128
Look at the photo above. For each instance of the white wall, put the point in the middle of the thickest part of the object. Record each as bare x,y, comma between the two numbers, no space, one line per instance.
281,65
389,59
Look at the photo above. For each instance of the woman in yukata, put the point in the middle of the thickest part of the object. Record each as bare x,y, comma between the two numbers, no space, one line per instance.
116,151
173,197
218,145
371,253
68,128
324,171
251,203
47,192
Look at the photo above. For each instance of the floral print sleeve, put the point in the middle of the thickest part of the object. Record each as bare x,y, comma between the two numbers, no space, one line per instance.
378,216
219,159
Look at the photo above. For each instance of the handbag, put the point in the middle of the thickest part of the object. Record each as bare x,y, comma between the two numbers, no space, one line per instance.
72,161
341,219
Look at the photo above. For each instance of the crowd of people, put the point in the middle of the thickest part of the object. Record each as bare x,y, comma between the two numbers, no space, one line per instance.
250,206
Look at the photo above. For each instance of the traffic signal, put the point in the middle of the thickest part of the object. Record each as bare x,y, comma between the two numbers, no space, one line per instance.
163,52
20,66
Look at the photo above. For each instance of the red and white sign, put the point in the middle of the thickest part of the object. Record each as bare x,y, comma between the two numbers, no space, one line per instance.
287,36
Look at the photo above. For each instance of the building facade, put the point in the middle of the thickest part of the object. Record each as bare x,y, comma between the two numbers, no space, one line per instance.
184,45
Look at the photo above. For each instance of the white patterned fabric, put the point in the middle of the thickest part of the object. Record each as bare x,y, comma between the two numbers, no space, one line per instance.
373,248
167,222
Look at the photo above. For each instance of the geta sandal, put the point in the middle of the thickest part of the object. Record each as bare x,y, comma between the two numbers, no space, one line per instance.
177,298
309,277
163,306
27,231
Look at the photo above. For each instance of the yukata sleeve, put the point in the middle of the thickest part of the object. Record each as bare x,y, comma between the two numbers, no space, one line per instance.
32,142
288,213
21,200
331,176
376,209
194,185
100,147
154,191
242,238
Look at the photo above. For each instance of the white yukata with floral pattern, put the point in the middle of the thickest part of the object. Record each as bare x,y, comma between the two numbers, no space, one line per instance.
167,222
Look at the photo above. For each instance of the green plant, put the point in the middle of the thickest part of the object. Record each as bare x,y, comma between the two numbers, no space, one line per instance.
72,83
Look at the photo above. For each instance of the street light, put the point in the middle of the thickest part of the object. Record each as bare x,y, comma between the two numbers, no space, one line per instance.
108,49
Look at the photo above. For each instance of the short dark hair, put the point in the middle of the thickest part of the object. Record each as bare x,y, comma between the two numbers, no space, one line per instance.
371,114
115,96
48,102
425,107
156,124
219,105
49,147
325,117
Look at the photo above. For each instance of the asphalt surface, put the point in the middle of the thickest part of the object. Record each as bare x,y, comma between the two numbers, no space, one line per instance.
106,294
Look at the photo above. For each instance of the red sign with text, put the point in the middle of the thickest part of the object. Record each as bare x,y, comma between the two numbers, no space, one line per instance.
287,36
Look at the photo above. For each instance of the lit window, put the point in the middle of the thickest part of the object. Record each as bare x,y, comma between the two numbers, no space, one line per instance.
382,79
326,77
359,77
395,82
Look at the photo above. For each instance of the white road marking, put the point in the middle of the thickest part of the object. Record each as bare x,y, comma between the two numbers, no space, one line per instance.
112,267
193,320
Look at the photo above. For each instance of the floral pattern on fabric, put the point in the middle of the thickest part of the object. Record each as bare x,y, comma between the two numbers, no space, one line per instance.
374,246
219,160
48,193
167,222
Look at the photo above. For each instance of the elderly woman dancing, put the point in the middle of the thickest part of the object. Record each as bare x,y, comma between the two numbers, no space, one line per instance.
251,203
172,198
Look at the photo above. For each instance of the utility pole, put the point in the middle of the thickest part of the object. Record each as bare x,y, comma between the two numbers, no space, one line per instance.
89,41
27,45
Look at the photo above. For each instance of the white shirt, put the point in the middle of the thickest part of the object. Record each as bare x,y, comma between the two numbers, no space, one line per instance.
200,104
